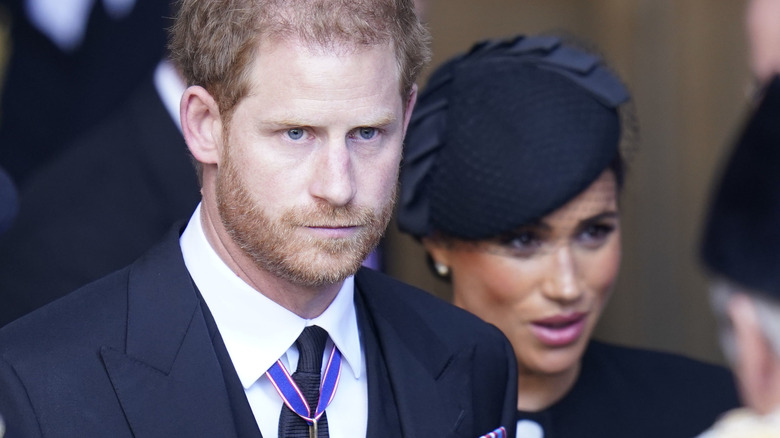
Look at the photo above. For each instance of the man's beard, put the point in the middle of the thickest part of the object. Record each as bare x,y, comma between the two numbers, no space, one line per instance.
283,248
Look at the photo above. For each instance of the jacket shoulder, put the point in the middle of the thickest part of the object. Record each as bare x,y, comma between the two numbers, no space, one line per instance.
398,299
644,364
94,314
450,343
645,382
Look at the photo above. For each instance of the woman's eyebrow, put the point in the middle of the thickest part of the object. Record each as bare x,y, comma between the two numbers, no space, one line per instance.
601,216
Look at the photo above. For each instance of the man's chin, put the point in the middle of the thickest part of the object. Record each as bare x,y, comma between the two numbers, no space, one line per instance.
318,279
319,268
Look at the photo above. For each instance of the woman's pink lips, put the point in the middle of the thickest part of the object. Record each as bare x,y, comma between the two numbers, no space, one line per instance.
559,330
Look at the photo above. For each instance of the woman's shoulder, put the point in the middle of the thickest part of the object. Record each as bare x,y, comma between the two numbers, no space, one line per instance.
636,387
655,370
659,377
639,360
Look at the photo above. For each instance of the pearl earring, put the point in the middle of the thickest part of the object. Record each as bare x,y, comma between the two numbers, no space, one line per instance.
442,269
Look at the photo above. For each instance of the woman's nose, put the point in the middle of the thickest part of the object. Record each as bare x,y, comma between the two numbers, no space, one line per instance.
562,280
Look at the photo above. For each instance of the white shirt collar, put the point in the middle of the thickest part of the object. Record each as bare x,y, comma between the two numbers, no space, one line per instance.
256,330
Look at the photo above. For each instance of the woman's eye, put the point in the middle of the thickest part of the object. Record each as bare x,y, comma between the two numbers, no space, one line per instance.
295,133
521,244
366,133
594,235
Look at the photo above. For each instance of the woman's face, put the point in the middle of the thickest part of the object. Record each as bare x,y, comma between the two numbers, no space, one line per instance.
545,284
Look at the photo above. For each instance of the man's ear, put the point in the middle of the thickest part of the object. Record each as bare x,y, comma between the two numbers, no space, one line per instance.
201,124
412,99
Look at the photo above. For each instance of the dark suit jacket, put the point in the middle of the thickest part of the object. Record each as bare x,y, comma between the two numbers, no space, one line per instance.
8,201
131,355
114,194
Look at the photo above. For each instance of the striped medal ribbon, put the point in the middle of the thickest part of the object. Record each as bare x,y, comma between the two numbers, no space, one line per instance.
293,397
498,433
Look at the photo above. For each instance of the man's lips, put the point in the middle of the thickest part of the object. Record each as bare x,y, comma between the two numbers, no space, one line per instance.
333,231
559,330
332,225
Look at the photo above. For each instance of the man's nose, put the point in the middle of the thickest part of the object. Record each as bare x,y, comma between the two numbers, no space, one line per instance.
333,174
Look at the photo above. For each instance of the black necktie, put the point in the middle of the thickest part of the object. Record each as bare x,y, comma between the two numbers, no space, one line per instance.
311,346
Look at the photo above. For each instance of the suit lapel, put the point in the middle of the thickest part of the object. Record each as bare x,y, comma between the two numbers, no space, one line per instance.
168,379
383,419
430,382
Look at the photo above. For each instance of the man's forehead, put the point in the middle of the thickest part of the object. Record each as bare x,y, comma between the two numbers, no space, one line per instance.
303,85
272,49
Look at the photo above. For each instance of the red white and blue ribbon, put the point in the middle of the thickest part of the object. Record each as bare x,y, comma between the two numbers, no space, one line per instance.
498,433
292,395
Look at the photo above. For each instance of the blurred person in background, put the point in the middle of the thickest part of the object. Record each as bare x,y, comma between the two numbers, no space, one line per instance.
511,178
72,62
102,199
741,243
111,194
741,249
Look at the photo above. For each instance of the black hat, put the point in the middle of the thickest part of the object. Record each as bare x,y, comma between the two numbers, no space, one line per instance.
742,236
8,201
506,134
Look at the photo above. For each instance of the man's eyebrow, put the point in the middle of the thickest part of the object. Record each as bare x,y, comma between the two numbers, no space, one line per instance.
293,122
382,120
282,123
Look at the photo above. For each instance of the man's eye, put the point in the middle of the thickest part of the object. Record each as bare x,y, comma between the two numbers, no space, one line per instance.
295,133
367,133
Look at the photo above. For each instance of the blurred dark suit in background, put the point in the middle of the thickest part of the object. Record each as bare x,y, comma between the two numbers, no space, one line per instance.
112,194
51,95
8,201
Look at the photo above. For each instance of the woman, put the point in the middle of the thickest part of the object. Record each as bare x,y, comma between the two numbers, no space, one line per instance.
511,180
